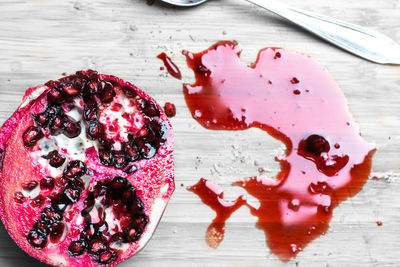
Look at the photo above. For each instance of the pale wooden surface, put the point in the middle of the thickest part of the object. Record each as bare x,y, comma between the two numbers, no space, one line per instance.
40,39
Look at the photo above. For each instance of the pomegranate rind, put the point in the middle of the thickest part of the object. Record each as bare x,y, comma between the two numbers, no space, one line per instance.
154,183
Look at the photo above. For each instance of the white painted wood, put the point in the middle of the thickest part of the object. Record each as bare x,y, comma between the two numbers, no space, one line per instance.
40,39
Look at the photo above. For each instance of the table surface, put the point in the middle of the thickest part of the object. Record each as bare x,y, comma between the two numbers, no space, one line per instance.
40,39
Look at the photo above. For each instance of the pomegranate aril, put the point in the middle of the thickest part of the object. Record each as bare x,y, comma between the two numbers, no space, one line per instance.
170,109
147,150
29,186
106,92
42,226
97,246
92,87
316,145
149,108
78,83
19,197
131,151
105,157
89,231
36,239
60,202
90,114
119,159
56,232
38,201
74,169
47,183
108,257
71,128
55,95
72,193
50,215
31,136
129,92
55,159
117,237
77,248
94,130
56,125
41,120
70,92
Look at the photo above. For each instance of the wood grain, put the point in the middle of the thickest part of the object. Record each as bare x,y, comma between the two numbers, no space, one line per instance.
40,39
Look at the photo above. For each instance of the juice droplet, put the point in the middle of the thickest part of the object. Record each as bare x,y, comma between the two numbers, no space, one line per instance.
171,67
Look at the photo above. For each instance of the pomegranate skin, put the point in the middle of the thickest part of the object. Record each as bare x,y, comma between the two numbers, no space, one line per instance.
152,182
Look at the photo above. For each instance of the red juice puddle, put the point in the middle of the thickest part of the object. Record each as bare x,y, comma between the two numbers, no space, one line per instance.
171,67
290,97
212,195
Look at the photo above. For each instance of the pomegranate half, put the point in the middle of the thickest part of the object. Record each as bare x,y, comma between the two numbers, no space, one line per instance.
86,170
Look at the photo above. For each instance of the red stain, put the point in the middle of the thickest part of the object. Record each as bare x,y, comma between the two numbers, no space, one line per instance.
379,223
212,195
326,160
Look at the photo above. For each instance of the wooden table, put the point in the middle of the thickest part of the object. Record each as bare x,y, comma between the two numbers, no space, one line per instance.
40,39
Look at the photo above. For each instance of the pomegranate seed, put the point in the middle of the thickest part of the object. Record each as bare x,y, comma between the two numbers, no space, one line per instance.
316,145
94,130
19,197
56,232
106,92
71,128
41,119
31,136
97,245
29,186
108,256
37,239
47,183
55,96
42,226
77,248
129,92
74,169
50,215
72,194
56,159
105,157
38,201
170,109
149,108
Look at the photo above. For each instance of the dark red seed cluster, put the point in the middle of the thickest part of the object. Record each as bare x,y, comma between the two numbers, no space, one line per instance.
50,223
118,193
95,239
95,92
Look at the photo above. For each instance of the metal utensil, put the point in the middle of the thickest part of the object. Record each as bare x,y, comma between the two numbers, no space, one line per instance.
360,41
